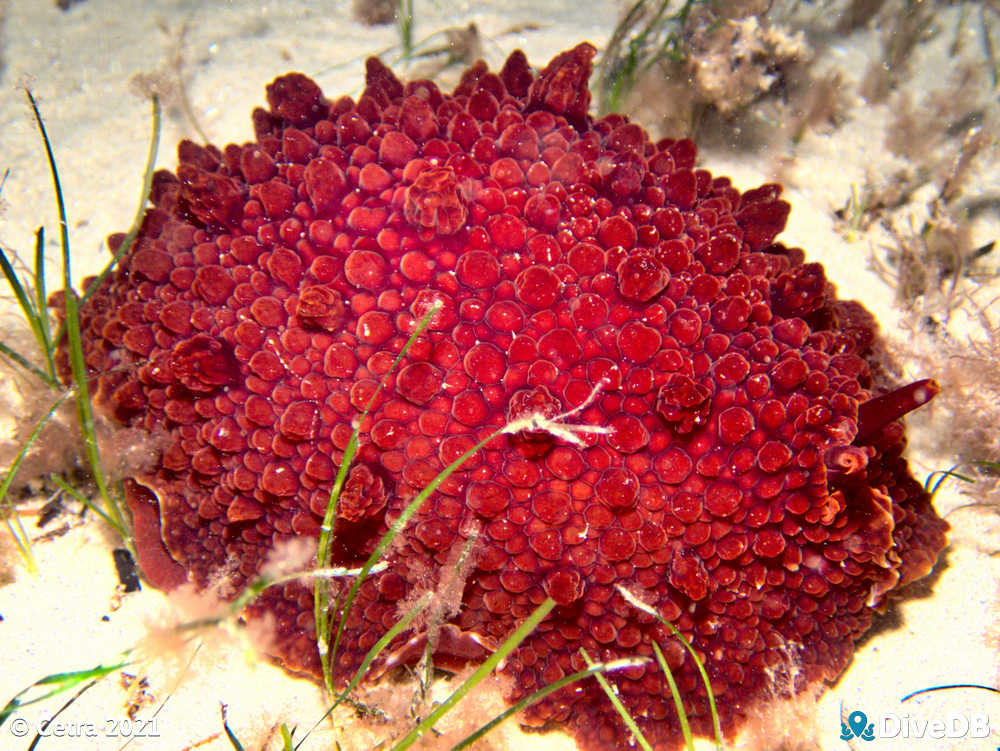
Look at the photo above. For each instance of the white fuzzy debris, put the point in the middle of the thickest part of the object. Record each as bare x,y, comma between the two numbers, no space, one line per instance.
635,602
289,557
343,573
556,427
625,662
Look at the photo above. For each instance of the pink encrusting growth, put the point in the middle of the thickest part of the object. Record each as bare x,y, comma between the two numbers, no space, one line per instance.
749,484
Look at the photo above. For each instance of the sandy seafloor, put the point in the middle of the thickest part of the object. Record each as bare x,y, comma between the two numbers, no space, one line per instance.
79,64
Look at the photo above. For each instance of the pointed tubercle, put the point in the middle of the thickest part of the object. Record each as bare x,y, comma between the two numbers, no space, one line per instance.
875,414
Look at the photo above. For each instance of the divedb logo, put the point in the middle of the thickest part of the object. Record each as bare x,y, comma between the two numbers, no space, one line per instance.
930,721
892,725
857,726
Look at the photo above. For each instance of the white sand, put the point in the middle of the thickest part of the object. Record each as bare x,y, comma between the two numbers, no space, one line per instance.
79,64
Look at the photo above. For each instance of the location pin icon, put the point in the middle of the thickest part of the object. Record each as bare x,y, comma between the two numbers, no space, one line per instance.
857,721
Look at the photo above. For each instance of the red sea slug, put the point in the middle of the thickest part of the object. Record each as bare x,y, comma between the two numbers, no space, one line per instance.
750,487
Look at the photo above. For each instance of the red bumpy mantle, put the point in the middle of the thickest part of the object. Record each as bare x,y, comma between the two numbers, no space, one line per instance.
751,487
